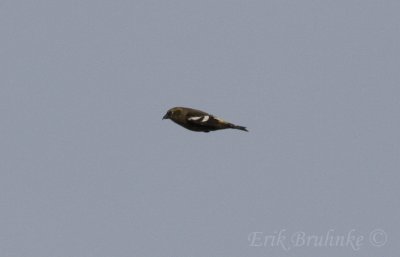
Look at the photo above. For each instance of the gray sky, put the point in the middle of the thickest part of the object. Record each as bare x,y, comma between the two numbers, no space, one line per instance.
88,168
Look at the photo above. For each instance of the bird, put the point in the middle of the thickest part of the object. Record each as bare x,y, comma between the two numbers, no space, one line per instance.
199,121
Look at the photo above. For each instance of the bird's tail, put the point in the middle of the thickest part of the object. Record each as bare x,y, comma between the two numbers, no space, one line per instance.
239,127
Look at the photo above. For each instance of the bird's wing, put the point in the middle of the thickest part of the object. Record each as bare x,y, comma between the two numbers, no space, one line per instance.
206,120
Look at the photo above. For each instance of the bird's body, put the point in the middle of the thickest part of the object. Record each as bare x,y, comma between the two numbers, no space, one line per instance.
197,120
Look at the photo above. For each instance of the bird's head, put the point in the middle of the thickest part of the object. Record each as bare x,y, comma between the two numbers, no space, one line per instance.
173,113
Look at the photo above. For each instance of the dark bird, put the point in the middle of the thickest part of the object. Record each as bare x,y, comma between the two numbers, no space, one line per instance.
197,120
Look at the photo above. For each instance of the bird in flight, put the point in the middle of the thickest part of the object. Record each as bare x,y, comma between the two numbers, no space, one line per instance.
197,120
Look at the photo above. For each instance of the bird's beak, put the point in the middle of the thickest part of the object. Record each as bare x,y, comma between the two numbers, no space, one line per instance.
165,116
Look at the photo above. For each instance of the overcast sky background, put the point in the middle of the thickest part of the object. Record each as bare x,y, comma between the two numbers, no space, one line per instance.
88,168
